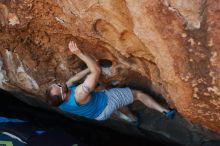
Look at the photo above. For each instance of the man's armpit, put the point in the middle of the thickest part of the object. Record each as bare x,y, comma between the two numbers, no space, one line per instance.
86,89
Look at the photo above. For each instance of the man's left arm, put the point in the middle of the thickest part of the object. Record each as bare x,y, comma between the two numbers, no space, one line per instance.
77,77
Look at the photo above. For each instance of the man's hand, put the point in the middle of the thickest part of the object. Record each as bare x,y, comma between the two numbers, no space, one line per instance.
73,48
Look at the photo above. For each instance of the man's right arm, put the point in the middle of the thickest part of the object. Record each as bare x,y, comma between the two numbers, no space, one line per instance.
83,91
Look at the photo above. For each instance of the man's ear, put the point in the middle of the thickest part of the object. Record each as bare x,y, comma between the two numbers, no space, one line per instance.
65,88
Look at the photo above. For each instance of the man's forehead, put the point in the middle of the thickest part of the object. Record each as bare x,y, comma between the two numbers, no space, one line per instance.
54,90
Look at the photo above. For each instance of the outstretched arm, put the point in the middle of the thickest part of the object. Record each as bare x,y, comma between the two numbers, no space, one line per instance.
82,91
77,77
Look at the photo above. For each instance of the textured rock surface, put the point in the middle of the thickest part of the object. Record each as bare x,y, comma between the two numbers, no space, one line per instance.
172,45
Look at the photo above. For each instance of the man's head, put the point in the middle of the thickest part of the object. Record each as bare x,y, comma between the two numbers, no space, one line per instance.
56,94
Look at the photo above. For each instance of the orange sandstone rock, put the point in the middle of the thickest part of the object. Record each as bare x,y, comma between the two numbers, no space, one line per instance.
173,44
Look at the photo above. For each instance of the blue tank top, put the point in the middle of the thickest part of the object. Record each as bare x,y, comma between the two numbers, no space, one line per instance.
91,110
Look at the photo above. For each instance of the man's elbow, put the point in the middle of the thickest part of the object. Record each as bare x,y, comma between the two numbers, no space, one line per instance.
98,70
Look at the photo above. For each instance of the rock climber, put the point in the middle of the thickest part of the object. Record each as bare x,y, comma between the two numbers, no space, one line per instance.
84,101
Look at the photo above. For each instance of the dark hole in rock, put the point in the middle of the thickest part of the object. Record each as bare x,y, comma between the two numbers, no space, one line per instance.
105,63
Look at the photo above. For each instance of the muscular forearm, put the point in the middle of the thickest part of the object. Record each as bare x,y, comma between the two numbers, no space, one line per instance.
91,63
77,77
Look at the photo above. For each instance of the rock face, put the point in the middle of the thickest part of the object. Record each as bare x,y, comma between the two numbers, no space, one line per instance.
170,47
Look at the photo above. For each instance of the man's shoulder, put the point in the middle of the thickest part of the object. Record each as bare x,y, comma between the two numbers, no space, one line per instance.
71,86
